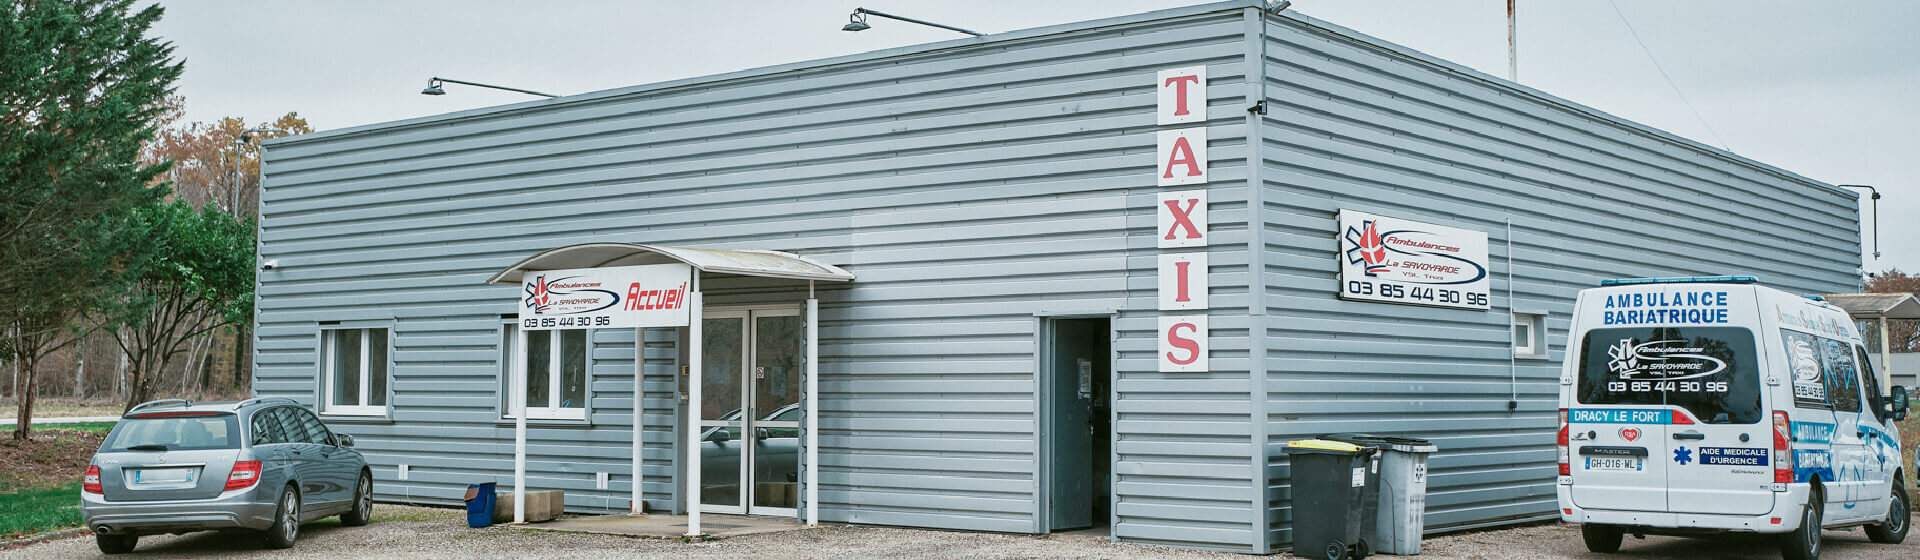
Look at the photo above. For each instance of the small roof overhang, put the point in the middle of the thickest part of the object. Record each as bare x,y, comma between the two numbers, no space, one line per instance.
1878,306
744,262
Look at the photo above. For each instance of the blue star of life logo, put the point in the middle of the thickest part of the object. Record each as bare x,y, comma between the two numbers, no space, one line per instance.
1682,455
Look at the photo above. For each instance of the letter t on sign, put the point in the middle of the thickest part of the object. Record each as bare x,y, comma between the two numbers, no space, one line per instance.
1182,219
1183,95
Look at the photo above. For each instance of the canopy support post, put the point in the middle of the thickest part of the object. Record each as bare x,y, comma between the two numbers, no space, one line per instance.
1886,356
637,502
695,374
520,425
813,407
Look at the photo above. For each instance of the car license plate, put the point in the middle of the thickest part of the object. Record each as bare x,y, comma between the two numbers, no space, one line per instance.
1613,463
163,476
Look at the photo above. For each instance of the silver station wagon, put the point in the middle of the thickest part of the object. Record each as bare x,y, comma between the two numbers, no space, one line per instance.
259,465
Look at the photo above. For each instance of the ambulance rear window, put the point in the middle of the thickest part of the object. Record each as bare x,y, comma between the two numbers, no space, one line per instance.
1711,372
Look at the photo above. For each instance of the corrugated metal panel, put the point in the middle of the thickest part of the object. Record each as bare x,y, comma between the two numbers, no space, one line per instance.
1361,124
969,185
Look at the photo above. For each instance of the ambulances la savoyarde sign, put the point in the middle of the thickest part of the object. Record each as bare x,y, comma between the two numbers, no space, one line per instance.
1181,221
652,295
1390,260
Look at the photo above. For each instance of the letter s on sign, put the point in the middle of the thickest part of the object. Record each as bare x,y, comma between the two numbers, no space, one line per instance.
1183,343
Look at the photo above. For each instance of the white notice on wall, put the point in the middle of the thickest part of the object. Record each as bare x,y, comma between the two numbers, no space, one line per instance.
1183,95
1183,281
1183,157
1183,343
1390,260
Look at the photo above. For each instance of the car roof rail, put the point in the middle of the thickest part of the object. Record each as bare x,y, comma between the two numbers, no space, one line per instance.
243,404
161,402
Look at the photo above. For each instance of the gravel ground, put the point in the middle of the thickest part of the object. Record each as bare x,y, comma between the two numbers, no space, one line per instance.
408,532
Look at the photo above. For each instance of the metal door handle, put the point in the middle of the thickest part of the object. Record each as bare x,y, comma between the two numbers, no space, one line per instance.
1689,436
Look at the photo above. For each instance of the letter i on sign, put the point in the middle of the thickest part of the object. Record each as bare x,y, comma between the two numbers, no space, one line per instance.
1183,281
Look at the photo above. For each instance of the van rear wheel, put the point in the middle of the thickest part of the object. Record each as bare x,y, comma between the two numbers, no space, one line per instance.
1804,542
1601,538
1894,529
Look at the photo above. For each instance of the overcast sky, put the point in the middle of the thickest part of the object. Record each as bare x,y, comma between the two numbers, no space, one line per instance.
1826,90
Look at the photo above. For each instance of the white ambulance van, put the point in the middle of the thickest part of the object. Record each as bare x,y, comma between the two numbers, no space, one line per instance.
1693,406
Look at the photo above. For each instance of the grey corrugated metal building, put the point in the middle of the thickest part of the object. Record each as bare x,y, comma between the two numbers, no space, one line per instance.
997,199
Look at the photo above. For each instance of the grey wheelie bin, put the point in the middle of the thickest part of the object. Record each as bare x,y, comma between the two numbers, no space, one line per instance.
1402,499
1329,480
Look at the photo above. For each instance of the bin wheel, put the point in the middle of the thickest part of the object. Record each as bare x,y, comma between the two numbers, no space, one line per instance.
1362,549
1336,550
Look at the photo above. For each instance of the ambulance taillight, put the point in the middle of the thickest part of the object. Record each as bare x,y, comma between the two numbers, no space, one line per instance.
1782,452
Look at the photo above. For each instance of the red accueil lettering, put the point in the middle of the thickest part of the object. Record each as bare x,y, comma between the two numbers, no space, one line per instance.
633,296
1174,339
1179,84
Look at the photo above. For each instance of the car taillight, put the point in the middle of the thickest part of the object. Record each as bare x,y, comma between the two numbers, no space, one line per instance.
91,482
245,474
1782,451
1565,467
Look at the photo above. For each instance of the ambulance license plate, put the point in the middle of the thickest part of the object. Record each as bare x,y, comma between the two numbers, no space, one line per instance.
1613,463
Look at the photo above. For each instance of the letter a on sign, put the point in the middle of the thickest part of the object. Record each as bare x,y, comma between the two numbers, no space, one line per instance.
1183,219
1183,344
1183,157
1183,95
1183,281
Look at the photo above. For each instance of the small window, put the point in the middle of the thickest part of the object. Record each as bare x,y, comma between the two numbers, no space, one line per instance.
354,371
1529,335
1870,382
555,374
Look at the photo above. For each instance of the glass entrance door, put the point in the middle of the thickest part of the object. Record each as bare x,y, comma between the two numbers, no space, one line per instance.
750,417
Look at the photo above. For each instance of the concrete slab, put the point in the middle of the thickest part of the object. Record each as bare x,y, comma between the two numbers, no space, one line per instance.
670,526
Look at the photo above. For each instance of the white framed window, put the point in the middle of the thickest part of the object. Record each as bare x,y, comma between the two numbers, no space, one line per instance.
1530,334
355,370
555,373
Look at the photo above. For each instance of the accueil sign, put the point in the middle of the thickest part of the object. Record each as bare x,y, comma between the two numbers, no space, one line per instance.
1182,220
652,295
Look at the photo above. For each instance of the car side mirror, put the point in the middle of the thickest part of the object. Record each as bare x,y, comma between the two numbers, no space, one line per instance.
346,440
761,433
1899,403
720,436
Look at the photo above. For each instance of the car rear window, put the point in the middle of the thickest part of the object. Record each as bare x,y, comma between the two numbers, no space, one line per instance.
175,433
1711,372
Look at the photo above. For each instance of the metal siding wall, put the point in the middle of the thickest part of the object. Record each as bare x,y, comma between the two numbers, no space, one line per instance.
969,187
1358,123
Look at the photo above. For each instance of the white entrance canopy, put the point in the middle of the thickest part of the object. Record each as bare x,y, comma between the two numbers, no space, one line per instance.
1879,307
750,262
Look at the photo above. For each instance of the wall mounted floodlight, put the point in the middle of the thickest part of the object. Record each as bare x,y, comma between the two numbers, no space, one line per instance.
1876,215
858,22
434,83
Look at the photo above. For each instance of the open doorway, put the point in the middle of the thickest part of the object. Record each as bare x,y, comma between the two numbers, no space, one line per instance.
1075,389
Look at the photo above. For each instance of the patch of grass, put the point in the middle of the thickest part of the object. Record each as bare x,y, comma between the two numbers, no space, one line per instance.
95,427
38,510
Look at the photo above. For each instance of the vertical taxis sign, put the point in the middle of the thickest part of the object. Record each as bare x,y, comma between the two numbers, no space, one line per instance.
1181,219
1390,260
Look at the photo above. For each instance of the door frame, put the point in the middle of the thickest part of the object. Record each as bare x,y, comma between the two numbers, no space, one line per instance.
748,314
1043,449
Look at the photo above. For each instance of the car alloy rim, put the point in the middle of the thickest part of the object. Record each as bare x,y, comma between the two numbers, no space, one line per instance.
1897,515
1813,529
293,515
366,498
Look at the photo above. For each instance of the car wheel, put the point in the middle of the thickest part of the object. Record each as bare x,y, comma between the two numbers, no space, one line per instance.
1601,538
1804,542
1894,530
116,544
286,521
362,510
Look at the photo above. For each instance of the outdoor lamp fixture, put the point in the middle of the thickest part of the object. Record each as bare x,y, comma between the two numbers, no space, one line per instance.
433,87
857,21
1876,215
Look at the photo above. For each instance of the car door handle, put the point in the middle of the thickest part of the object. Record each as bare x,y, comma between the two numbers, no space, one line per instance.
1688,435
